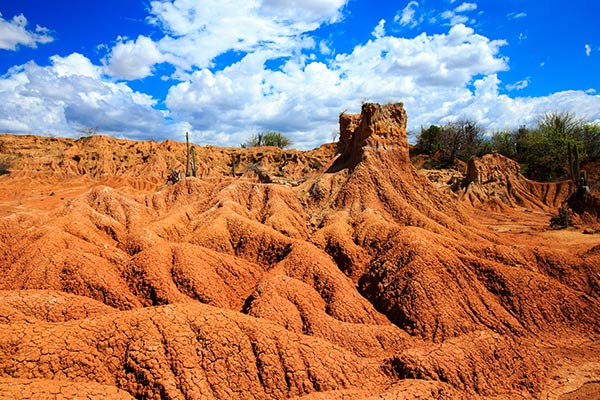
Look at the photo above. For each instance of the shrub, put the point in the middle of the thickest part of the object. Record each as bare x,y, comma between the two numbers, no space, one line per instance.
429,140
562,219
5,166
269,138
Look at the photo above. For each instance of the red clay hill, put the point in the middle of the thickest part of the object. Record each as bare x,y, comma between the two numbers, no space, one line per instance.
337,273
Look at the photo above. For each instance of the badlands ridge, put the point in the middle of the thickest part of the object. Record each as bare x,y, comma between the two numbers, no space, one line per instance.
337,273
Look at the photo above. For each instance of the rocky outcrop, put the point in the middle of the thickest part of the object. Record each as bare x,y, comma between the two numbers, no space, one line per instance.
365,280
376,128
494,181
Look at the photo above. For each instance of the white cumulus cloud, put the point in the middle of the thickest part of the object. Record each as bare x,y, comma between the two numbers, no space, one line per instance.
307,10
438,77
133,59
456,16
588,50
379,30
465,7
279,79
324,48
304,98
70,94
196,32
14,33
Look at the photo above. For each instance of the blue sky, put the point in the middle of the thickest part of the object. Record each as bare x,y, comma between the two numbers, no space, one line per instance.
225,69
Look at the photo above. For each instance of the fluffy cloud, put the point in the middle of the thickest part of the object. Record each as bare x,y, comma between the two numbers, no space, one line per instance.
306,10
304,98
496,111
464,7
438,77
324,48
407,17
227,106
133,59
14,33
70,94
456,16
379,30
588,50
197,32
284,78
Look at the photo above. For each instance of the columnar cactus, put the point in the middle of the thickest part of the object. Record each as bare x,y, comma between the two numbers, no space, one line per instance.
194,169
187,154
577,176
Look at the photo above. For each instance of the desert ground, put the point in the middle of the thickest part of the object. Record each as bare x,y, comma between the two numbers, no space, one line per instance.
343,272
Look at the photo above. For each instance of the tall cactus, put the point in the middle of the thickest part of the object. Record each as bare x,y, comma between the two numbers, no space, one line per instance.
187,154
194,169
576,173
570,153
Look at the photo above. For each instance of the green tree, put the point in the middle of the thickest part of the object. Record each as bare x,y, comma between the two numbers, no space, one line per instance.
590,136
543,151
504,142
429,140
461,139
269,138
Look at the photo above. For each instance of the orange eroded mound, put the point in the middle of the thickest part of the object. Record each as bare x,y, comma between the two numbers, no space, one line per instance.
336,273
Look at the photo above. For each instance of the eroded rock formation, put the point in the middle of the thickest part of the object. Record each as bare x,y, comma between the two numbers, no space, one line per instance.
361,280
495,181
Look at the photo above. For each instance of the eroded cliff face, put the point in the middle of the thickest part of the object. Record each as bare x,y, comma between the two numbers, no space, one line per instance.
495,181
376,128
360,279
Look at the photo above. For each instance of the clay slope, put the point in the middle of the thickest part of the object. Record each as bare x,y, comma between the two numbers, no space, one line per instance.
494,181
358,279
430,269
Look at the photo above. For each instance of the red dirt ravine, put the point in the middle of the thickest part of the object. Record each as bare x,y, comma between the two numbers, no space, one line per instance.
338,273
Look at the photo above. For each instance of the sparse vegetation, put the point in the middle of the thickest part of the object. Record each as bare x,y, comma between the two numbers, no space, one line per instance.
460,139
270,138
577,176
91,131
561,220
542,151
5,166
